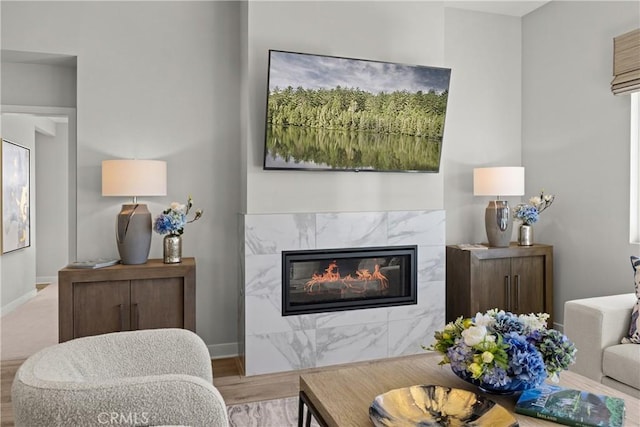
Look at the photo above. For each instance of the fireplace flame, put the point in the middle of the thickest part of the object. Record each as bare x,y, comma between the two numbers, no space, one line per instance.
359,284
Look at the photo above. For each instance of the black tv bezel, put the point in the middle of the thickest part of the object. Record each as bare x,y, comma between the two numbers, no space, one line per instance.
328,169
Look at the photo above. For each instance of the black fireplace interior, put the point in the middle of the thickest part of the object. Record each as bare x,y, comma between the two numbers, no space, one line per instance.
316,281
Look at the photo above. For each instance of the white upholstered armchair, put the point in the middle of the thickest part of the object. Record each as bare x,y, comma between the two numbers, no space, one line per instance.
147,377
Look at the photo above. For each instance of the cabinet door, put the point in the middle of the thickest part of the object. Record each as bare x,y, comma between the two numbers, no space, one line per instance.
490,281
528,284
157,303
100,307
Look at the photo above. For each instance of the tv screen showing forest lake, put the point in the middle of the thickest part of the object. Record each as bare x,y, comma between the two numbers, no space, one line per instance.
331,113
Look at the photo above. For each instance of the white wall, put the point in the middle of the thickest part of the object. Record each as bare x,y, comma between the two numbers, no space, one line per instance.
156,80
19,267
576,144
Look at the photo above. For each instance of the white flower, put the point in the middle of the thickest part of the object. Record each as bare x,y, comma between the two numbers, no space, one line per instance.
484,320
533,322
474,335
535,201
175,206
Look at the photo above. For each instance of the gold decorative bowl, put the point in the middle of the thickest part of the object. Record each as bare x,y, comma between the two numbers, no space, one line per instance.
433,405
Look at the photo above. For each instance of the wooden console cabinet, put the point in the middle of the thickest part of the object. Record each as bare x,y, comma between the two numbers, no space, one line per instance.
126,297
517,279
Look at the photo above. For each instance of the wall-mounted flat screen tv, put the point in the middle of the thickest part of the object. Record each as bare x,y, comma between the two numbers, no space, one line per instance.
332,113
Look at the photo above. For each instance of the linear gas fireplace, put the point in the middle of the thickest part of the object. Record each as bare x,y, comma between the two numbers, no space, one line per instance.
323,280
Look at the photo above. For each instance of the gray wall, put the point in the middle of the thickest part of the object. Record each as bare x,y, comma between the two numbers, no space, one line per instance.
483,118
37,84
410,32
18,273
483,122
185,81
156,80
52,176
576,138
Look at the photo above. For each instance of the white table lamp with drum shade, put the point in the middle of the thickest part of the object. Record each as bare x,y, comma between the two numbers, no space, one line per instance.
498,182
134,178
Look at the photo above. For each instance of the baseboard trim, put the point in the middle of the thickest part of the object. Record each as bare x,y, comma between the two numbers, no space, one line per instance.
17,302
47,279
219,351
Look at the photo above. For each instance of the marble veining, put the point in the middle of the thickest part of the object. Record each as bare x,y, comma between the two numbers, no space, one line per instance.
273,343
351,230
408,336
418,227
263,274
270,234
431,263
277,352
352,317
346,344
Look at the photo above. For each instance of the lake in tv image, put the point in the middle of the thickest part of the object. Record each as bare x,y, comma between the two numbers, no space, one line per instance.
332,113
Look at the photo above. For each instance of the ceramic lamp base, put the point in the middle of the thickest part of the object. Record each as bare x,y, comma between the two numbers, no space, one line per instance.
133,233
498,223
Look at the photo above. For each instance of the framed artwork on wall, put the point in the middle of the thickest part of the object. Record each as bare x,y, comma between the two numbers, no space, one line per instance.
16,214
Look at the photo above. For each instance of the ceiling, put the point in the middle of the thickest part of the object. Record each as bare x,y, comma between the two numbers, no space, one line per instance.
501,7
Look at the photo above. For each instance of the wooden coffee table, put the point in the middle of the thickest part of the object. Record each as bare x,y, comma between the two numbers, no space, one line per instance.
341,397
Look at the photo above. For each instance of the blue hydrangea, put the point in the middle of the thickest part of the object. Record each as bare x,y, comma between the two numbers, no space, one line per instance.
460,355
496,377
508,322
526,213
518,352
558,351
525,361
171,222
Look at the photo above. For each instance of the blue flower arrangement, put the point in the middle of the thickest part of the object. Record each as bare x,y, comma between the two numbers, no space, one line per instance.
530,213
500,350
173,219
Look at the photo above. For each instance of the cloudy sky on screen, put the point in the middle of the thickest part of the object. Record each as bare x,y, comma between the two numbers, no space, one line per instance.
327,72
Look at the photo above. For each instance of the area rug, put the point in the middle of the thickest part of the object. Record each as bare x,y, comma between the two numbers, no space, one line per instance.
266,413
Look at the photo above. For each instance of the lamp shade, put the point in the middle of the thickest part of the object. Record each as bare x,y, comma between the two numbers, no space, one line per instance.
498,181
133,178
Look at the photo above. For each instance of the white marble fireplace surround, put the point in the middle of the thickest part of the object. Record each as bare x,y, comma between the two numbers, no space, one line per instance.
270,342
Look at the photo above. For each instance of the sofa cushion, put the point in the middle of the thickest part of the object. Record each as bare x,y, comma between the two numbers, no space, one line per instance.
634,326
622,363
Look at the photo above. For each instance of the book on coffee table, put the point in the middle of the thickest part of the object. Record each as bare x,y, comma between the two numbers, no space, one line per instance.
571,407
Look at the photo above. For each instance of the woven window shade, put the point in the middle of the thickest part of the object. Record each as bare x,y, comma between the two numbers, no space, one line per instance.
626,63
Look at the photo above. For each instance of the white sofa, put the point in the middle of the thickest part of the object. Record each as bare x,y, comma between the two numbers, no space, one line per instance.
596,326
147,377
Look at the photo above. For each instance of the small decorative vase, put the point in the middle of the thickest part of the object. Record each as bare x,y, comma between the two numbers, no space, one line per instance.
525,235
172,245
